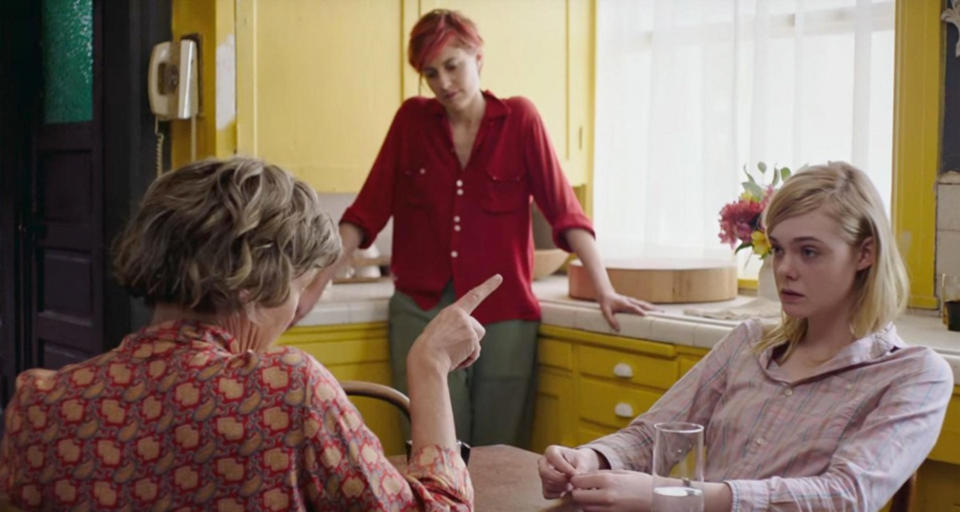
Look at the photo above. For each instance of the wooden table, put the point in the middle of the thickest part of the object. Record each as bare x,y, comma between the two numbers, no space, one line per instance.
505,478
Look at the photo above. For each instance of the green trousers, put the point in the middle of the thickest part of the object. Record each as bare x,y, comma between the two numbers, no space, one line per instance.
493,398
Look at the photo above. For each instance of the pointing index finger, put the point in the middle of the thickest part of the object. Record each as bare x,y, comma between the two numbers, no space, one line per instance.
474,297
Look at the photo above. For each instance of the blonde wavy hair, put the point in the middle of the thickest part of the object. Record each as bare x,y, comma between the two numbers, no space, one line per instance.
217,235
848,197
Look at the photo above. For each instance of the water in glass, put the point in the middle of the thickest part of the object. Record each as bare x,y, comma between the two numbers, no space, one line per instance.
677,467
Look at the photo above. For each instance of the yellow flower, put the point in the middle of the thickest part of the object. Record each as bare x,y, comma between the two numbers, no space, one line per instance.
761,245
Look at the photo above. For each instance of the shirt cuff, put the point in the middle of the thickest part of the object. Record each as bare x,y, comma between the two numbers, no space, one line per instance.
439,468
615,461
748,495
559,229
351,218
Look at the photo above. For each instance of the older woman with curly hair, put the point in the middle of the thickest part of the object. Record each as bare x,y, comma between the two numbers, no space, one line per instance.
197,410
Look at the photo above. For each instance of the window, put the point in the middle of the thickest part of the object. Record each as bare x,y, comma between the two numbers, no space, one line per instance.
688,91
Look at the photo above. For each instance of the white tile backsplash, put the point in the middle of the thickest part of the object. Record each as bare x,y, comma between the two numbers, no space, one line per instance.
948,207
948,252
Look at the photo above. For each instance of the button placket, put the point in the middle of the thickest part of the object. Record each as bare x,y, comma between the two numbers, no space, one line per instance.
455,238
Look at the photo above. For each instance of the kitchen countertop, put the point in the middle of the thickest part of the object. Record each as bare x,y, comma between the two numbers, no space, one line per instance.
367,302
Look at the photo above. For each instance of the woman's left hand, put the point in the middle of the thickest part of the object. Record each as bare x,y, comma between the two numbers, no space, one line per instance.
612,302
612,490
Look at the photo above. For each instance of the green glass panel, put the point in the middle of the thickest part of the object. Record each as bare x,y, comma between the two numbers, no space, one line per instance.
67,42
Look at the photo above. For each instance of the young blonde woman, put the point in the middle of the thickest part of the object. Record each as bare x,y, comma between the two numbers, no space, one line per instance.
830,410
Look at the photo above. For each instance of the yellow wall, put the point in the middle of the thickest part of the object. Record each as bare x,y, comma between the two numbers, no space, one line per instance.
214,21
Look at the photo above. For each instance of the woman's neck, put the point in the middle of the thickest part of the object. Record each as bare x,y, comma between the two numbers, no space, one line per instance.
471,113
171,312
827,334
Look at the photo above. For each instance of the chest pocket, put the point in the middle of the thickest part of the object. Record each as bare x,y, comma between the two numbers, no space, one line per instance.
412,186
504,191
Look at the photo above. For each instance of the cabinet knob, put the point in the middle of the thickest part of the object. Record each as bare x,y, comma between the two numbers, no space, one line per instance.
623,370
623,410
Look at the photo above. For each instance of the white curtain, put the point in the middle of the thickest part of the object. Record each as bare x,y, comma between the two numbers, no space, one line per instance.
688,91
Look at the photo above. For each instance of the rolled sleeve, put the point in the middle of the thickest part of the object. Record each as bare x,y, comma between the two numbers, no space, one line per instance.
439,476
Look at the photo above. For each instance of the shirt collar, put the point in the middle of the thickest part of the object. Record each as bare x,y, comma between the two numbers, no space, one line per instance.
865,350
495,107
183,331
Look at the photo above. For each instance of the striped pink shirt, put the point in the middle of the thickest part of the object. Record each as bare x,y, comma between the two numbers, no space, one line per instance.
843,439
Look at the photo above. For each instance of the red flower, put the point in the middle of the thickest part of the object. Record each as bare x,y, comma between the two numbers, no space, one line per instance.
739,219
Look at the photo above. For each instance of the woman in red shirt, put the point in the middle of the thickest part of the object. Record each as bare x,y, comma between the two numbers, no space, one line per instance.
457,173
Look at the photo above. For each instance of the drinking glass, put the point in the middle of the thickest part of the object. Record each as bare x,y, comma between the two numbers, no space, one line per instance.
677,467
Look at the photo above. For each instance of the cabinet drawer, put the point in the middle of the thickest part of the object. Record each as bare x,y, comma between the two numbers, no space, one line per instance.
555,353
633,368
947,448
341,352
587,433
612,405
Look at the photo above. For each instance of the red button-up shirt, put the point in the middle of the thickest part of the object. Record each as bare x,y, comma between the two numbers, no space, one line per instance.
466,224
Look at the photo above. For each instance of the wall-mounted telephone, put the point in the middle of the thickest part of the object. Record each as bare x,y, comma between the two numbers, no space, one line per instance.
172,88
172,80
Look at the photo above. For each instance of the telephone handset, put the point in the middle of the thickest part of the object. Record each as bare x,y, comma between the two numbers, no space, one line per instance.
172,89
172,80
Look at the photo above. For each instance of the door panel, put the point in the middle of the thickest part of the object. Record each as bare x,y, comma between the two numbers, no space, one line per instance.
59,143
64,224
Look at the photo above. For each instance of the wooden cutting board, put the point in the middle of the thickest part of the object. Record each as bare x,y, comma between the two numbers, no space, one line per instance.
661,280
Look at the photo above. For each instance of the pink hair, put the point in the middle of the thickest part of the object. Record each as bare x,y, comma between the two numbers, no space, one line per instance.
437,28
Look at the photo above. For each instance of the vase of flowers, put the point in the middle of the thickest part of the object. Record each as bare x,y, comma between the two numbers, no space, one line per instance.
741,221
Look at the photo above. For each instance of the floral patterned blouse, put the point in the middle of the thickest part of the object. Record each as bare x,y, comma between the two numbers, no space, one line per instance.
177,418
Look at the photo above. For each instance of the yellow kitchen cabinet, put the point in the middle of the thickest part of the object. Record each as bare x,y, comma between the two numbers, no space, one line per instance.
689,356
937,478
356,352
614,379
554,417
317,83
937,487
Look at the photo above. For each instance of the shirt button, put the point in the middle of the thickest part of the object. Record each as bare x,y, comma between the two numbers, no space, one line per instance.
453,254
456,218
456,227
459,183
759,441
423,171
788,392
459,191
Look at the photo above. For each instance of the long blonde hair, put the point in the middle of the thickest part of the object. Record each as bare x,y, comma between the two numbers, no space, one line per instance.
848,197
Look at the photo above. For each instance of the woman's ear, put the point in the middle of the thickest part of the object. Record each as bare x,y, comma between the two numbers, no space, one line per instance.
479,62
867,253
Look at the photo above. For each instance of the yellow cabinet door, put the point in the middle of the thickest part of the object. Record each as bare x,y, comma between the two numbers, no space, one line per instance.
318,84
610,404
627,367
553,417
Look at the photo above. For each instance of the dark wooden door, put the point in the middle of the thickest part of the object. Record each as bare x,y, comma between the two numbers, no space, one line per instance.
73,166
64,222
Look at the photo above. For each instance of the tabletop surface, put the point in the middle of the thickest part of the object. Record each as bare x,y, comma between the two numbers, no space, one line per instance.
505,478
